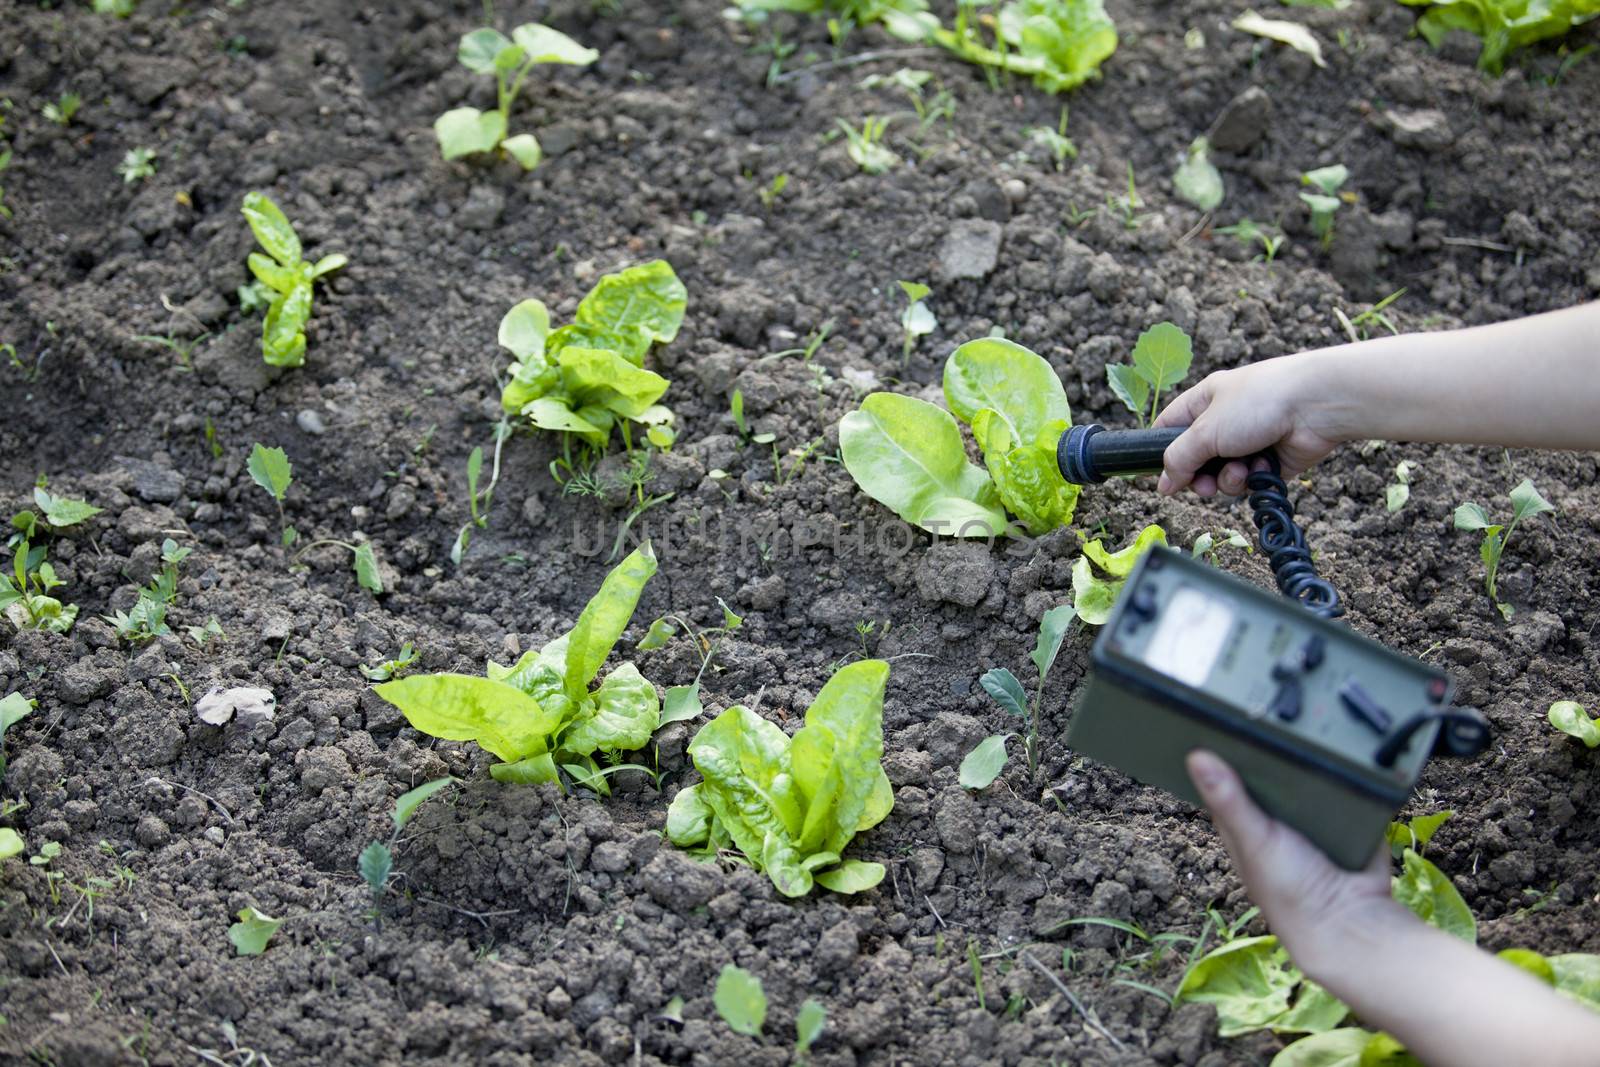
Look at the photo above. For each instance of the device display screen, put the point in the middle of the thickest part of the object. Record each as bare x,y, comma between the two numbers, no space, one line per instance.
1190,636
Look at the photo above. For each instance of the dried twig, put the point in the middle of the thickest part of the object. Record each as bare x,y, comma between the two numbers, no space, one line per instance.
1089,1018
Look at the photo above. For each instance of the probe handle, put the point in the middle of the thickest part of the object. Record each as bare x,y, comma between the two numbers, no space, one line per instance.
1092,453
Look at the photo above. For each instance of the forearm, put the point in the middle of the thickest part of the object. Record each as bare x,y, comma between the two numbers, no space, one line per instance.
1531,383
1446,1001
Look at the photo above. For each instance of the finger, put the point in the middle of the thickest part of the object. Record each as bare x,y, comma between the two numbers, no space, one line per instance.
1187,406
1231,479
1246,829
1204,485
1189,452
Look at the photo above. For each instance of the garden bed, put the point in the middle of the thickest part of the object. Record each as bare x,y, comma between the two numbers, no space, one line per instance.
532,927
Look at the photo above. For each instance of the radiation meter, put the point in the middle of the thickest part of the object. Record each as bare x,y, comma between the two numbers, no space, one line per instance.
1328,729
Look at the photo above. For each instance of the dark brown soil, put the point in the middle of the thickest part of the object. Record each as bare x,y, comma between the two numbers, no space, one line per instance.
537,928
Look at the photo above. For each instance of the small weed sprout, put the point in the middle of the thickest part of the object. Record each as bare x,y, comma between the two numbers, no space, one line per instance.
1128,206
392,668
478,504
1525,502
467,130
1247,231
120,8
137,165
376,862
364,561
769,194
1056,141
985,762
61,112
736,412
271,470
916,321
1161,358
682,702
147,619
1398,492
1208,544
1324,203
866,148
1358,328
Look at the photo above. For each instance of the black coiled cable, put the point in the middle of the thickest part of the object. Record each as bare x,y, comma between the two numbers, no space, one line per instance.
1285,543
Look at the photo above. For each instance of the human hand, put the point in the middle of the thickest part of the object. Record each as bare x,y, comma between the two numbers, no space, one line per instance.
1240,412
1309,902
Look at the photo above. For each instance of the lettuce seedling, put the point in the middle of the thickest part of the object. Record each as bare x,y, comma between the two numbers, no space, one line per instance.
13,709
1415,834
1569,717
25,593
908,454
1502,25
984,763
1253,986
586,378
1197,179
376,862
809,1022
364,561
1161,359
60,513
1324,203
286,273
1093,595
11,843
917,321
1525,502
792,806
1060,44
63,110
740,1000
539,716
466,130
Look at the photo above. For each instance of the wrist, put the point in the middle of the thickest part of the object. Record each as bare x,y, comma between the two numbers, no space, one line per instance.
1327,398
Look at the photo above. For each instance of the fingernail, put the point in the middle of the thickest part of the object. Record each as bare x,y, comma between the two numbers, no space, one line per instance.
1206,769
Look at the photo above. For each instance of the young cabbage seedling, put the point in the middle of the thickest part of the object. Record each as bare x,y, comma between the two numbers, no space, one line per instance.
792,805
271,470
1525,501
137,165
1161,359
1396,494
984,763
376,862
866,148
1208,544
740,1000
286,273
1197,179
1248,230
1326,200
466,130
539,715
916,320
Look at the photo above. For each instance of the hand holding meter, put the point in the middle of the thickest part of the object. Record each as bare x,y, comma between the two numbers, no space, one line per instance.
1328,729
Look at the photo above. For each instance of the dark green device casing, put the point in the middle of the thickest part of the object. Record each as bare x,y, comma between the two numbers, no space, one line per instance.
1187,661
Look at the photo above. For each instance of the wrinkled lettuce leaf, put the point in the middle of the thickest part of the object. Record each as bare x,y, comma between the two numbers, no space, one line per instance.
1502,25
1094,595
1253,986
627,312
791,806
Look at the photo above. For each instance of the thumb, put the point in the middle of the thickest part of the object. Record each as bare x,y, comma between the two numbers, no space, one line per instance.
1246,830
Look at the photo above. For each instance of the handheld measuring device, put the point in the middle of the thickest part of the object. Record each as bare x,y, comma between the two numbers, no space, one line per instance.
1328,729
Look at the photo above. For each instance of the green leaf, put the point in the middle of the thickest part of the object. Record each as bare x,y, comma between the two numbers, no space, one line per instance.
408,802
908,455
1416,833
328,264
375,864
1251,983
478,49
744,761
984,763
740,1000
465,130
730,621
1006,690
1530,961
1197,179
1129,387
283,336
1333,1048
252,932
661,631
11,843
1120,564
1061,43
61,511
463,707
525,149
366,564
13,709
271,470
605,617
1525,500
1162,355
552,413
809,1022
535,770
681,703
915,291
1327,179
1429,893
689,817
1471,517
626,713
1020,386
1396,495
628,311
544,45
273,275
1577,975
600,376
852,876
1569,717
1027,477
1052,630
523,330
836,756
272,229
